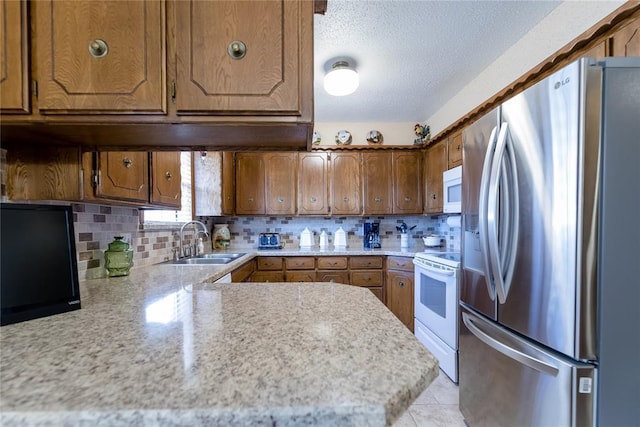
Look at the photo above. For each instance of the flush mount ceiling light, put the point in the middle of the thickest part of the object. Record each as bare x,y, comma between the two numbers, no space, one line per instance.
341,80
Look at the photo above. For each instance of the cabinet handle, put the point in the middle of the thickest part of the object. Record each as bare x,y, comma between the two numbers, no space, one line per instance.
280,200
345,199
407,199
458,147
434,197
168,176
313,199
250,199
237,49
98,48
127,162
377,200
401,284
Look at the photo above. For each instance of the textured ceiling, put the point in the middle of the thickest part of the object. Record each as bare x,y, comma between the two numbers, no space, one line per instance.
412,56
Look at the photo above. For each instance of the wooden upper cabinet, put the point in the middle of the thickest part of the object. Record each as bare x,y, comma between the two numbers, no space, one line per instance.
166,179
626,41
377,185
228,183
435,163
454,150
407,182
123,175
250,184
14,72
313,184
280,183
100,56
345,184
240,57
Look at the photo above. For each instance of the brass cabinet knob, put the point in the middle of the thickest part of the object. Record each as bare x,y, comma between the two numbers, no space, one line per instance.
401,284
313,199
168,176
98,48
237,49
377,200
127,162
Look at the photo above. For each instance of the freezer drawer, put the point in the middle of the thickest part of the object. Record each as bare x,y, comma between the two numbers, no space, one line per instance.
507,381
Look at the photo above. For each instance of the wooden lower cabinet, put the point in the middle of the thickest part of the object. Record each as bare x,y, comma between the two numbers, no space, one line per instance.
367,271
333,276
399,289
267,276
300,276
244,272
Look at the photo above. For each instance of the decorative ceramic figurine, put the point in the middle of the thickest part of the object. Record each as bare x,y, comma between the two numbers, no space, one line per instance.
374,137
221,236
423,133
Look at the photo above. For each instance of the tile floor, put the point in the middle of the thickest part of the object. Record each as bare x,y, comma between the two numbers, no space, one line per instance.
437,406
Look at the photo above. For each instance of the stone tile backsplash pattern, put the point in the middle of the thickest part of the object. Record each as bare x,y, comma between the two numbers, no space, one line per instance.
97,225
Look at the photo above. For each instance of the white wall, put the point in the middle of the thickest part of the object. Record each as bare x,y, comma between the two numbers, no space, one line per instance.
392,133
563,24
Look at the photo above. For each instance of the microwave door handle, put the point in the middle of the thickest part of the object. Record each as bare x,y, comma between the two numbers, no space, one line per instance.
482,212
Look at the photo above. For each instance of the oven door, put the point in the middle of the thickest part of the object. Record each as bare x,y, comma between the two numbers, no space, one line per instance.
436,302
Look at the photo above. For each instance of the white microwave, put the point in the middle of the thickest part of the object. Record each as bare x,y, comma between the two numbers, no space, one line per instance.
452,190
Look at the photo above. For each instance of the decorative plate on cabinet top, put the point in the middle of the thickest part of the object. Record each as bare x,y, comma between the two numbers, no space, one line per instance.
316,138
343,137
374,137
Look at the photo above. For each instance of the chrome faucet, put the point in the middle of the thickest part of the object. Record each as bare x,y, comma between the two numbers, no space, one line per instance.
204,230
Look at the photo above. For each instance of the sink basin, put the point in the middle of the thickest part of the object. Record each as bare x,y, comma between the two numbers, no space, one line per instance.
208,259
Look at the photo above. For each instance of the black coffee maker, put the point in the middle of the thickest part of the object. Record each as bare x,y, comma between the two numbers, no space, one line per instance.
371,235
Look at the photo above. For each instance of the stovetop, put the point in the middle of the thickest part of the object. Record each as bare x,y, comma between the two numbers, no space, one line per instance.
451,259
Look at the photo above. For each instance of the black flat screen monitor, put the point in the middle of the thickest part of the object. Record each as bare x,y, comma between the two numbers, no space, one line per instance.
38,270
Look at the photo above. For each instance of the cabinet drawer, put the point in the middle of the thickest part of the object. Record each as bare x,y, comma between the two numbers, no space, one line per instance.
269,263
362,262
399,263
332,263
300,276
366,278
267,276
242,273
333,276
300,263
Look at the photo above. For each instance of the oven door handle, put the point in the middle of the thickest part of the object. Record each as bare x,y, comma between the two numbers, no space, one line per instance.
437,271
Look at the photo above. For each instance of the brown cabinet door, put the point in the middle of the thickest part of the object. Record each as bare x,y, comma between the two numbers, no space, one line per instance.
345,184
267,276
332,263
400,296
454,150
400,263
313,184
368,278
250,182
435,162
123,175
300,276
281,172
333,276
377,185
407,182
378,293
228,183
213,76
14,71
269,263
244,272
166,179
626,41
299,263
100,56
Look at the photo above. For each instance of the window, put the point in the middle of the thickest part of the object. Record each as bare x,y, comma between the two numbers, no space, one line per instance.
159,217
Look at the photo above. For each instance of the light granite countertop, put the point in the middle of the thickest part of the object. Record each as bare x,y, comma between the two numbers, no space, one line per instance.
161,347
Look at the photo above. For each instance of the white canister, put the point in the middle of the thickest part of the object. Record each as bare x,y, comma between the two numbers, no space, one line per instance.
306,238
324,240
340,240
404,240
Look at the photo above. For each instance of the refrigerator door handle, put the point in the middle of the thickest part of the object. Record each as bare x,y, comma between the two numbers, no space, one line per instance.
503,216
518,356
482,212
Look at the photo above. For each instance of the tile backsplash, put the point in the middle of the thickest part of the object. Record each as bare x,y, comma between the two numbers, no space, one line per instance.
96,226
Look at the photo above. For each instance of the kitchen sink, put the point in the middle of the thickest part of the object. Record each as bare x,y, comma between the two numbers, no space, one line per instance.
208,259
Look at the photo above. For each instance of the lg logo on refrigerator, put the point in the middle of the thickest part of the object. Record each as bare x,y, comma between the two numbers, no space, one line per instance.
559,84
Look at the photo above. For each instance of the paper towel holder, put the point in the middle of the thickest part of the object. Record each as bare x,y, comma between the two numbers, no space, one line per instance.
454,221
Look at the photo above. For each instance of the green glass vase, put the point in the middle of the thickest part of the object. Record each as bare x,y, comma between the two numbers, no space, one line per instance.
118,259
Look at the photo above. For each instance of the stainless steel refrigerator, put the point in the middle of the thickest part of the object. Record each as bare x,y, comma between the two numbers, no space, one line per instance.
550,290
